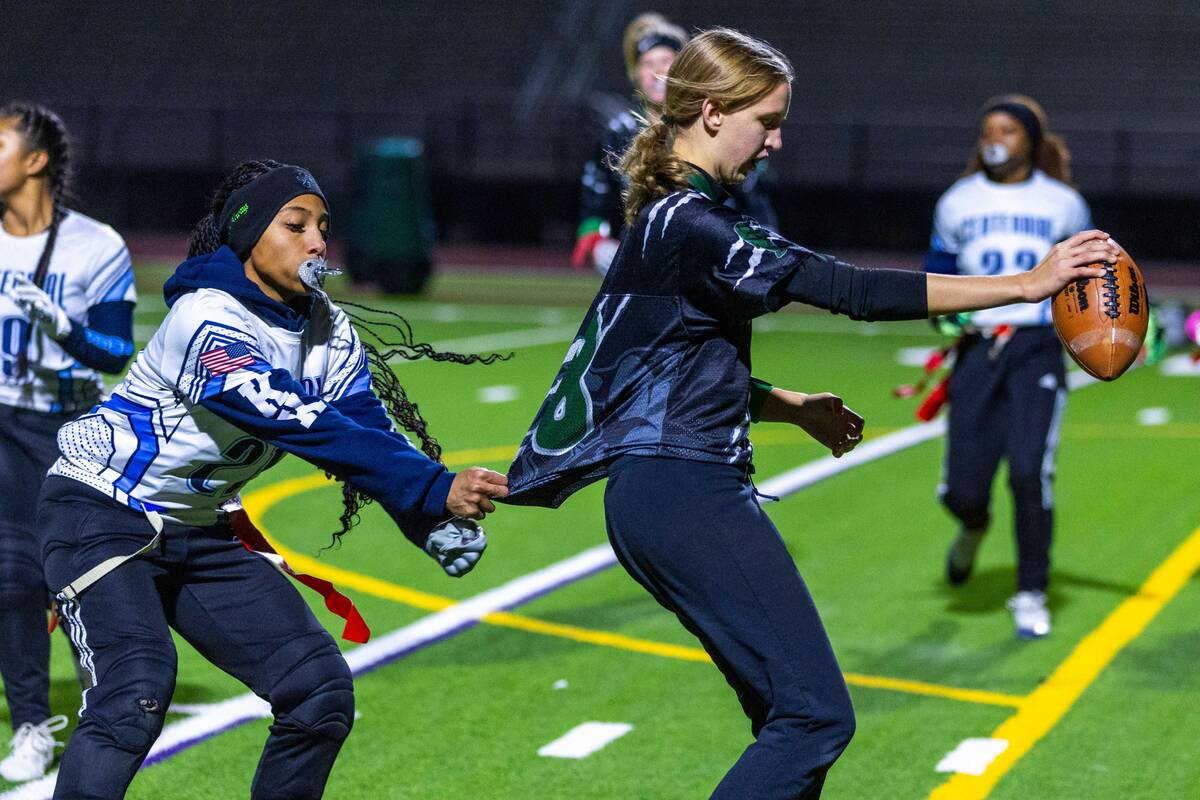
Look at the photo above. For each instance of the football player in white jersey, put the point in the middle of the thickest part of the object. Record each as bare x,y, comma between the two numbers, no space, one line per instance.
1008,389
66,315
252,361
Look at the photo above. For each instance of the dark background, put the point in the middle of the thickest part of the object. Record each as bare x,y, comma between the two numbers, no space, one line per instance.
163,98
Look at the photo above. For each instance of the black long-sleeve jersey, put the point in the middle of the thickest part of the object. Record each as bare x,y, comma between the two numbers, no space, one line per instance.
661,363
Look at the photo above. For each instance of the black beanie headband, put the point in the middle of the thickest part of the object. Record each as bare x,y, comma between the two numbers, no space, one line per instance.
648,43
250,209
1024,115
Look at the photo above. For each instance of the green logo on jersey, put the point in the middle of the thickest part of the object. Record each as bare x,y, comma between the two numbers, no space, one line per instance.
759,237
566,416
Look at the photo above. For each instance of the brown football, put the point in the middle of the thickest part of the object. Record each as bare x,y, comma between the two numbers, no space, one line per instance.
1102,321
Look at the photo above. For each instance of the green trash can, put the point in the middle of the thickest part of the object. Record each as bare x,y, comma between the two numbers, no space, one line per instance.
391,233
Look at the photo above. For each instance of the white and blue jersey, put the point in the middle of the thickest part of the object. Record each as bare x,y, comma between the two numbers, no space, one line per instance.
982,227
91,276
231,381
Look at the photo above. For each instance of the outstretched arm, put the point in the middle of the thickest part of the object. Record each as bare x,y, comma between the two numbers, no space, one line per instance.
1067,261
415,490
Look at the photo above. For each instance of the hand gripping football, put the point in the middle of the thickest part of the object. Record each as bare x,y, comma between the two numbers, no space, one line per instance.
1102,321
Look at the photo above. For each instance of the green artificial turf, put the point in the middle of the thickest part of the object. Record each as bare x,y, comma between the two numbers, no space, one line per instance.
464,718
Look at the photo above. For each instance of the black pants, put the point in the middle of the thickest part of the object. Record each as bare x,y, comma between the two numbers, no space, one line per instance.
230,604
694,536
1008,405
28,446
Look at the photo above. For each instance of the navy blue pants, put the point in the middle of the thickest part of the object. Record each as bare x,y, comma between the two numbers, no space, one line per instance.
1007,405
28,446
693,534
236,609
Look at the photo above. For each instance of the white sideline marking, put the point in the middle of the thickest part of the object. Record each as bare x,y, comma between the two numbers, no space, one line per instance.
526,337
972,756
804,475
193,709
584,739
1181,366
457,617
498,394
467,312
561,683
914,356
517,591
561,315
1155,415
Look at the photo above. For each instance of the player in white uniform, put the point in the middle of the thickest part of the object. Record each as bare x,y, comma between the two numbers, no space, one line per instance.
252,361
1008,390
66,315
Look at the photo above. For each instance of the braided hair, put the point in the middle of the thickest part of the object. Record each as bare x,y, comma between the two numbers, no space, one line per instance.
399,342
44,131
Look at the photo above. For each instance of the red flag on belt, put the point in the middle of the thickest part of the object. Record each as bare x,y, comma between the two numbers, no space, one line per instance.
355,630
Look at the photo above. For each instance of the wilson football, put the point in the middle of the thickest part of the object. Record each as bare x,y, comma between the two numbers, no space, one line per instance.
1102,321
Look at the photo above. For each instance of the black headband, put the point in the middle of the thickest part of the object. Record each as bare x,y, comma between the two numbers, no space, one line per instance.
648,43
250,209
1024,115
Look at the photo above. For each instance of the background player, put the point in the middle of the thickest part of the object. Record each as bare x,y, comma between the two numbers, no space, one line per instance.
653,393
1008,388
251,361
66,314
649,46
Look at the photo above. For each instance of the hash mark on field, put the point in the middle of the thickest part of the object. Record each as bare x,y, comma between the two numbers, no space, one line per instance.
914,356
972,756
584,739
1155,415
498,394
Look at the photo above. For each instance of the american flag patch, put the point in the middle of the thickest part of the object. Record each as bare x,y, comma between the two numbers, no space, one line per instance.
229,358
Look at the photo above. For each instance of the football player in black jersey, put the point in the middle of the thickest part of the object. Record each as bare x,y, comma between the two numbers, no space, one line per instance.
650,45
654,393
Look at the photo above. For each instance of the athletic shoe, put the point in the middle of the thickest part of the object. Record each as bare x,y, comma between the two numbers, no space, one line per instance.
960,559
33,749
1030,614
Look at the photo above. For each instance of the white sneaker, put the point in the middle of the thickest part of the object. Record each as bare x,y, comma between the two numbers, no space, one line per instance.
33,749
1030,614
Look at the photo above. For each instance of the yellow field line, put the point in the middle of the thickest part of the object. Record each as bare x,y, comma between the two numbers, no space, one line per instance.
1050,702
935,690
260,501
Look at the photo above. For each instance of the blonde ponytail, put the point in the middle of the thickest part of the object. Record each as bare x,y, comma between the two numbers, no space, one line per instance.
651,169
